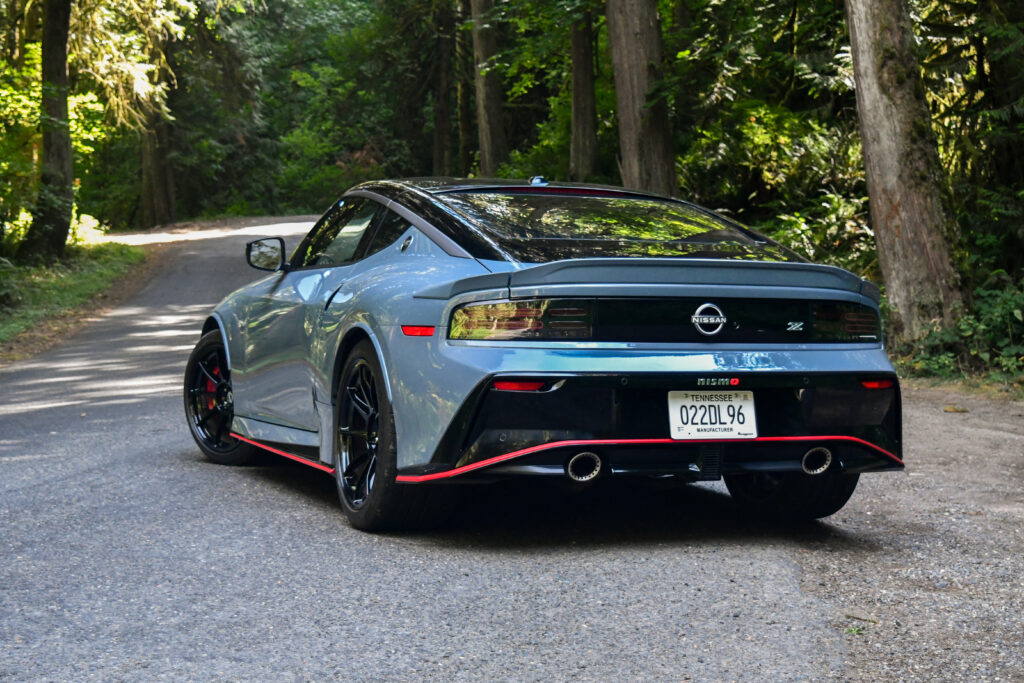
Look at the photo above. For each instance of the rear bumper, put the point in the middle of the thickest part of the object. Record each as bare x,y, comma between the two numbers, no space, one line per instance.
623,418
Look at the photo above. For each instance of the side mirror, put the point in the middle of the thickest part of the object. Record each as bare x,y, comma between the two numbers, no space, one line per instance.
266,253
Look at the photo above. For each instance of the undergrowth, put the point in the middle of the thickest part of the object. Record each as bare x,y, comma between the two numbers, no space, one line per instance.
30,294
985,344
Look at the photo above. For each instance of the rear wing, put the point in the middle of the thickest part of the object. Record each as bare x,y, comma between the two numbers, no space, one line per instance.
604,276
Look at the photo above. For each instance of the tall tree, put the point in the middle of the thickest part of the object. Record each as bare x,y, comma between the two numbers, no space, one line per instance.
489,92
903,172
51,222
464,76
444,20
157,200
583,146
645,138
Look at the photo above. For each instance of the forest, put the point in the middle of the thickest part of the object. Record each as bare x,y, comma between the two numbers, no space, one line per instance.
882,136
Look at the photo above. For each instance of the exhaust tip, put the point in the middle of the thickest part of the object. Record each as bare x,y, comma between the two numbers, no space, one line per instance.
816,460
583,466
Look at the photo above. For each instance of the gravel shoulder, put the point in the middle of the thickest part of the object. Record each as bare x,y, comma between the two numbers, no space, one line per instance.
924,570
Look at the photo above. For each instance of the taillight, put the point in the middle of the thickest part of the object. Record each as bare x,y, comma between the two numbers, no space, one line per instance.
840,321
543,319
514,385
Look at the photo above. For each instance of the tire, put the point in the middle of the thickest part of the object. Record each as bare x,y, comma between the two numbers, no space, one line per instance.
791,496
209,407
365,456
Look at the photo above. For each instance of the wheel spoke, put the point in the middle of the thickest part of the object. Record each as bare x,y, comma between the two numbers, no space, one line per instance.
357,464
204,420
369,395
222,428
360,405
363,484
206,372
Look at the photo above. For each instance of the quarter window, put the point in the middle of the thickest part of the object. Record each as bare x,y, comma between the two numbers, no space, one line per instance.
338,239
391,227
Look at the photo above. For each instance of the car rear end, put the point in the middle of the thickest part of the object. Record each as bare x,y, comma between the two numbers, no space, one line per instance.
700,351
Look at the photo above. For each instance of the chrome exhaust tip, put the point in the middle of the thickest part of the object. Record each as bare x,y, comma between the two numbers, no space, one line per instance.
583,466
816,460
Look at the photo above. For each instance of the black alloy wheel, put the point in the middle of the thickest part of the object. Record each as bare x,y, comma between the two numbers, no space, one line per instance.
366,461
360,435
209,403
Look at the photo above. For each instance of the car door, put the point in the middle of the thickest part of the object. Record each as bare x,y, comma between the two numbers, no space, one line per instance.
282,316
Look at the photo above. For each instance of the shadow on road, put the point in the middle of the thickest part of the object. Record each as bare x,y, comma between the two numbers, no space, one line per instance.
541,514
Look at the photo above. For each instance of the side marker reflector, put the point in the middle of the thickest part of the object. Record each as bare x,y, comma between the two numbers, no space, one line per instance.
877,383
505,385
418,330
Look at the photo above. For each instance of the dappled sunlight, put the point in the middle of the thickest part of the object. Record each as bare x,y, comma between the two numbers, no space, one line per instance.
193,235
164,333
134,353
23,458
158,349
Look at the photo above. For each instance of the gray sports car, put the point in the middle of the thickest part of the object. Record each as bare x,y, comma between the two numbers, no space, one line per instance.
438,330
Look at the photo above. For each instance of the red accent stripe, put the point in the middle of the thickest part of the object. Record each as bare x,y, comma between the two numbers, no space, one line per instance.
417,478
418,330
296,458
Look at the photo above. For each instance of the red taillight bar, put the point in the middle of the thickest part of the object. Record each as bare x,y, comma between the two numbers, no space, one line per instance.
876,383
418,330
510,385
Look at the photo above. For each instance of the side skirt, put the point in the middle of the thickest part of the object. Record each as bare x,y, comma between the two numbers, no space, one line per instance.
291,456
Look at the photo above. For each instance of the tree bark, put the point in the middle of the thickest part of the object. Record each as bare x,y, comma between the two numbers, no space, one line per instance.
51,219
158,205
583,145
464,92
444,20
490,113
902,164
645,138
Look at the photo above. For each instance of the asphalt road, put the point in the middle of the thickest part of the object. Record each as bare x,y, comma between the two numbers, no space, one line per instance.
126,556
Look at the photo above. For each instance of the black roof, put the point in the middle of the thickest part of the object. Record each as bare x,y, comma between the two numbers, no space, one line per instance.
442,184
425,197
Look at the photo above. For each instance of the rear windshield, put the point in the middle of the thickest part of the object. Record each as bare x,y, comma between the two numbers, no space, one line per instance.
534,227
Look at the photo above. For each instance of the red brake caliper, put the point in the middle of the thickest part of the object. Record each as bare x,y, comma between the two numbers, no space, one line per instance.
211,389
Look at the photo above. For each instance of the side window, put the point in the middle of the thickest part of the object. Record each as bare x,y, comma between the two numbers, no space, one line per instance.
391,227
337,240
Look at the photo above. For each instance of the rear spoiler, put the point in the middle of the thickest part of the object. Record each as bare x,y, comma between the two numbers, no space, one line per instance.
627,271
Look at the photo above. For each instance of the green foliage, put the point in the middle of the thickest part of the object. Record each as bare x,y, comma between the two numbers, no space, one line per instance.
989,338
118,47
19,136
109,180
975,85
834,231
30,294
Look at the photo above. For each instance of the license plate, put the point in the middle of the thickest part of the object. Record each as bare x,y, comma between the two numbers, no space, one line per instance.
711,415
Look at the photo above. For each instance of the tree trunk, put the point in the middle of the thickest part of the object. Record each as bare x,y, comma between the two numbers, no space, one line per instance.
490,113
645,138
444,20
157,174
902,164
51,221
464,92
583,146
